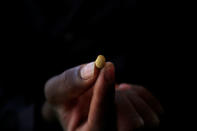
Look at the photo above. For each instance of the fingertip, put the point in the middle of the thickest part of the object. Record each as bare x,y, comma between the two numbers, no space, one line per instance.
109,72
109,64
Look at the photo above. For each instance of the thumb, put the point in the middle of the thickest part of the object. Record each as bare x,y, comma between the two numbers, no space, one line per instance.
70,84
102,107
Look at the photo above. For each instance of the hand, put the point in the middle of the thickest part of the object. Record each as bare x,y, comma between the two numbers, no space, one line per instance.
85,98
136,107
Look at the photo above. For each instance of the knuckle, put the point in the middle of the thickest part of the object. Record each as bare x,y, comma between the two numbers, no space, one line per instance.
50,90
47,88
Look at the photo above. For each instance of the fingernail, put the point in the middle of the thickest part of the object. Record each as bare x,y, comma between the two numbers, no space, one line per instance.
87,71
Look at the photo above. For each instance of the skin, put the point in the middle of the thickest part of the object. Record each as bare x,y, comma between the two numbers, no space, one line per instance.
98,103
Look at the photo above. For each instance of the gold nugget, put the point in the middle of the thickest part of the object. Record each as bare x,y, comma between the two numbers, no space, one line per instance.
100,61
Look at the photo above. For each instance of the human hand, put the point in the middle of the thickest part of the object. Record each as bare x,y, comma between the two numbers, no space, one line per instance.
85,98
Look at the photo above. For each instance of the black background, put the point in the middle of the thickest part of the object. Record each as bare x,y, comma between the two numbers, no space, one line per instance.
143,41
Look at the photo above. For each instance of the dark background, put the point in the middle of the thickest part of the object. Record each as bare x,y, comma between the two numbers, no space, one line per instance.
51,36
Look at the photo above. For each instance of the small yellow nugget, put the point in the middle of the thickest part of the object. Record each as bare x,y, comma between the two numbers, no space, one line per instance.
100,61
